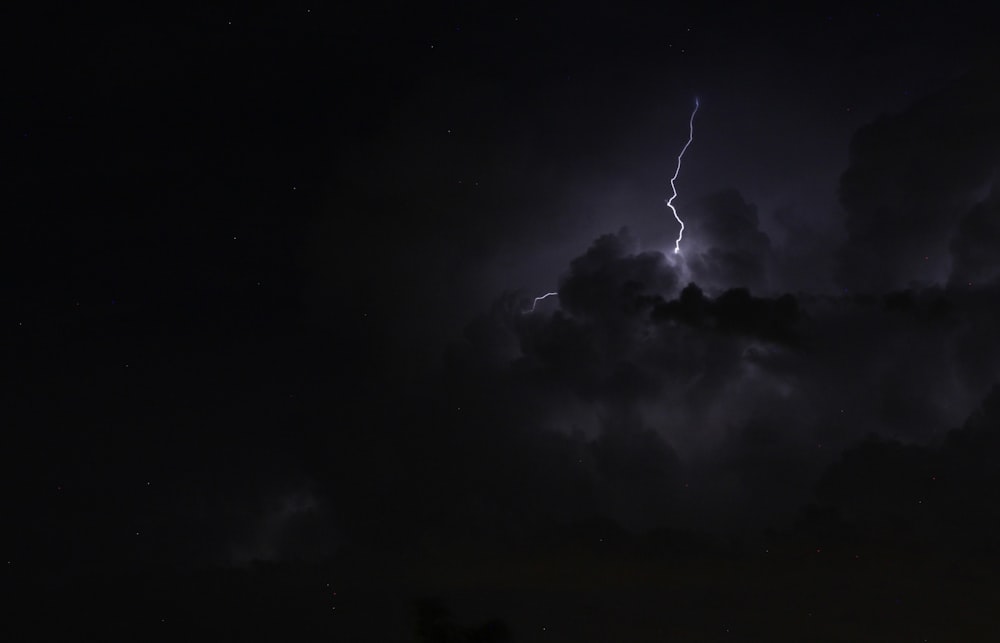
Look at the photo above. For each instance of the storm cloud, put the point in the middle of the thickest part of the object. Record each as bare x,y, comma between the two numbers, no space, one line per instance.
651,403
912,178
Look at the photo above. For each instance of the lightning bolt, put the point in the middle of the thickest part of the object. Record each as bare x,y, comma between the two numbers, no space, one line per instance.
670,201
539,298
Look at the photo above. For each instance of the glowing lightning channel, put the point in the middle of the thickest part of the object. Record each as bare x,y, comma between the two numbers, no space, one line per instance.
539,298
670,201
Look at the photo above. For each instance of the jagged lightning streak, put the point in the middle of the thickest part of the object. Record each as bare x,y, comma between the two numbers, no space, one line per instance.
539,298
670,201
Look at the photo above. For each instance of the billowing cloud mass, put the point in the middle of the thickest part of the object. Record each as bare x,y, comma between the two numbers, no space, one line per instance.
912,177
974,257
730,250
663,408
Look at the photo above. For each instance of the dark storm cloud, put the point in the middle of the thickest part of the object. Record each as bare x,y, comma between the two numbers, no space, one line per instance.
911,495
605,281
735,311
804,259
636,389
911,177
975,248
730,249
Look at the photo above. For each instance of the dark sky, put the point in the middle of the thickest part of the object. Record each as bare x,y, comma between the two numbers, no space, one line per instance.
268,273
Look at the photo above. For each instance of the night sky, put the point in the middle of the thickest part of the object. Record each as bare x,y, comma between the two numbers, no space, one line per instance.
274,369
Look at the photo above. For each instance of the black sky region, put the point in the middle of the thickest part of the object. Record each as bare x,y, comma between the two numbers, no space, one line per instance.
272,373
